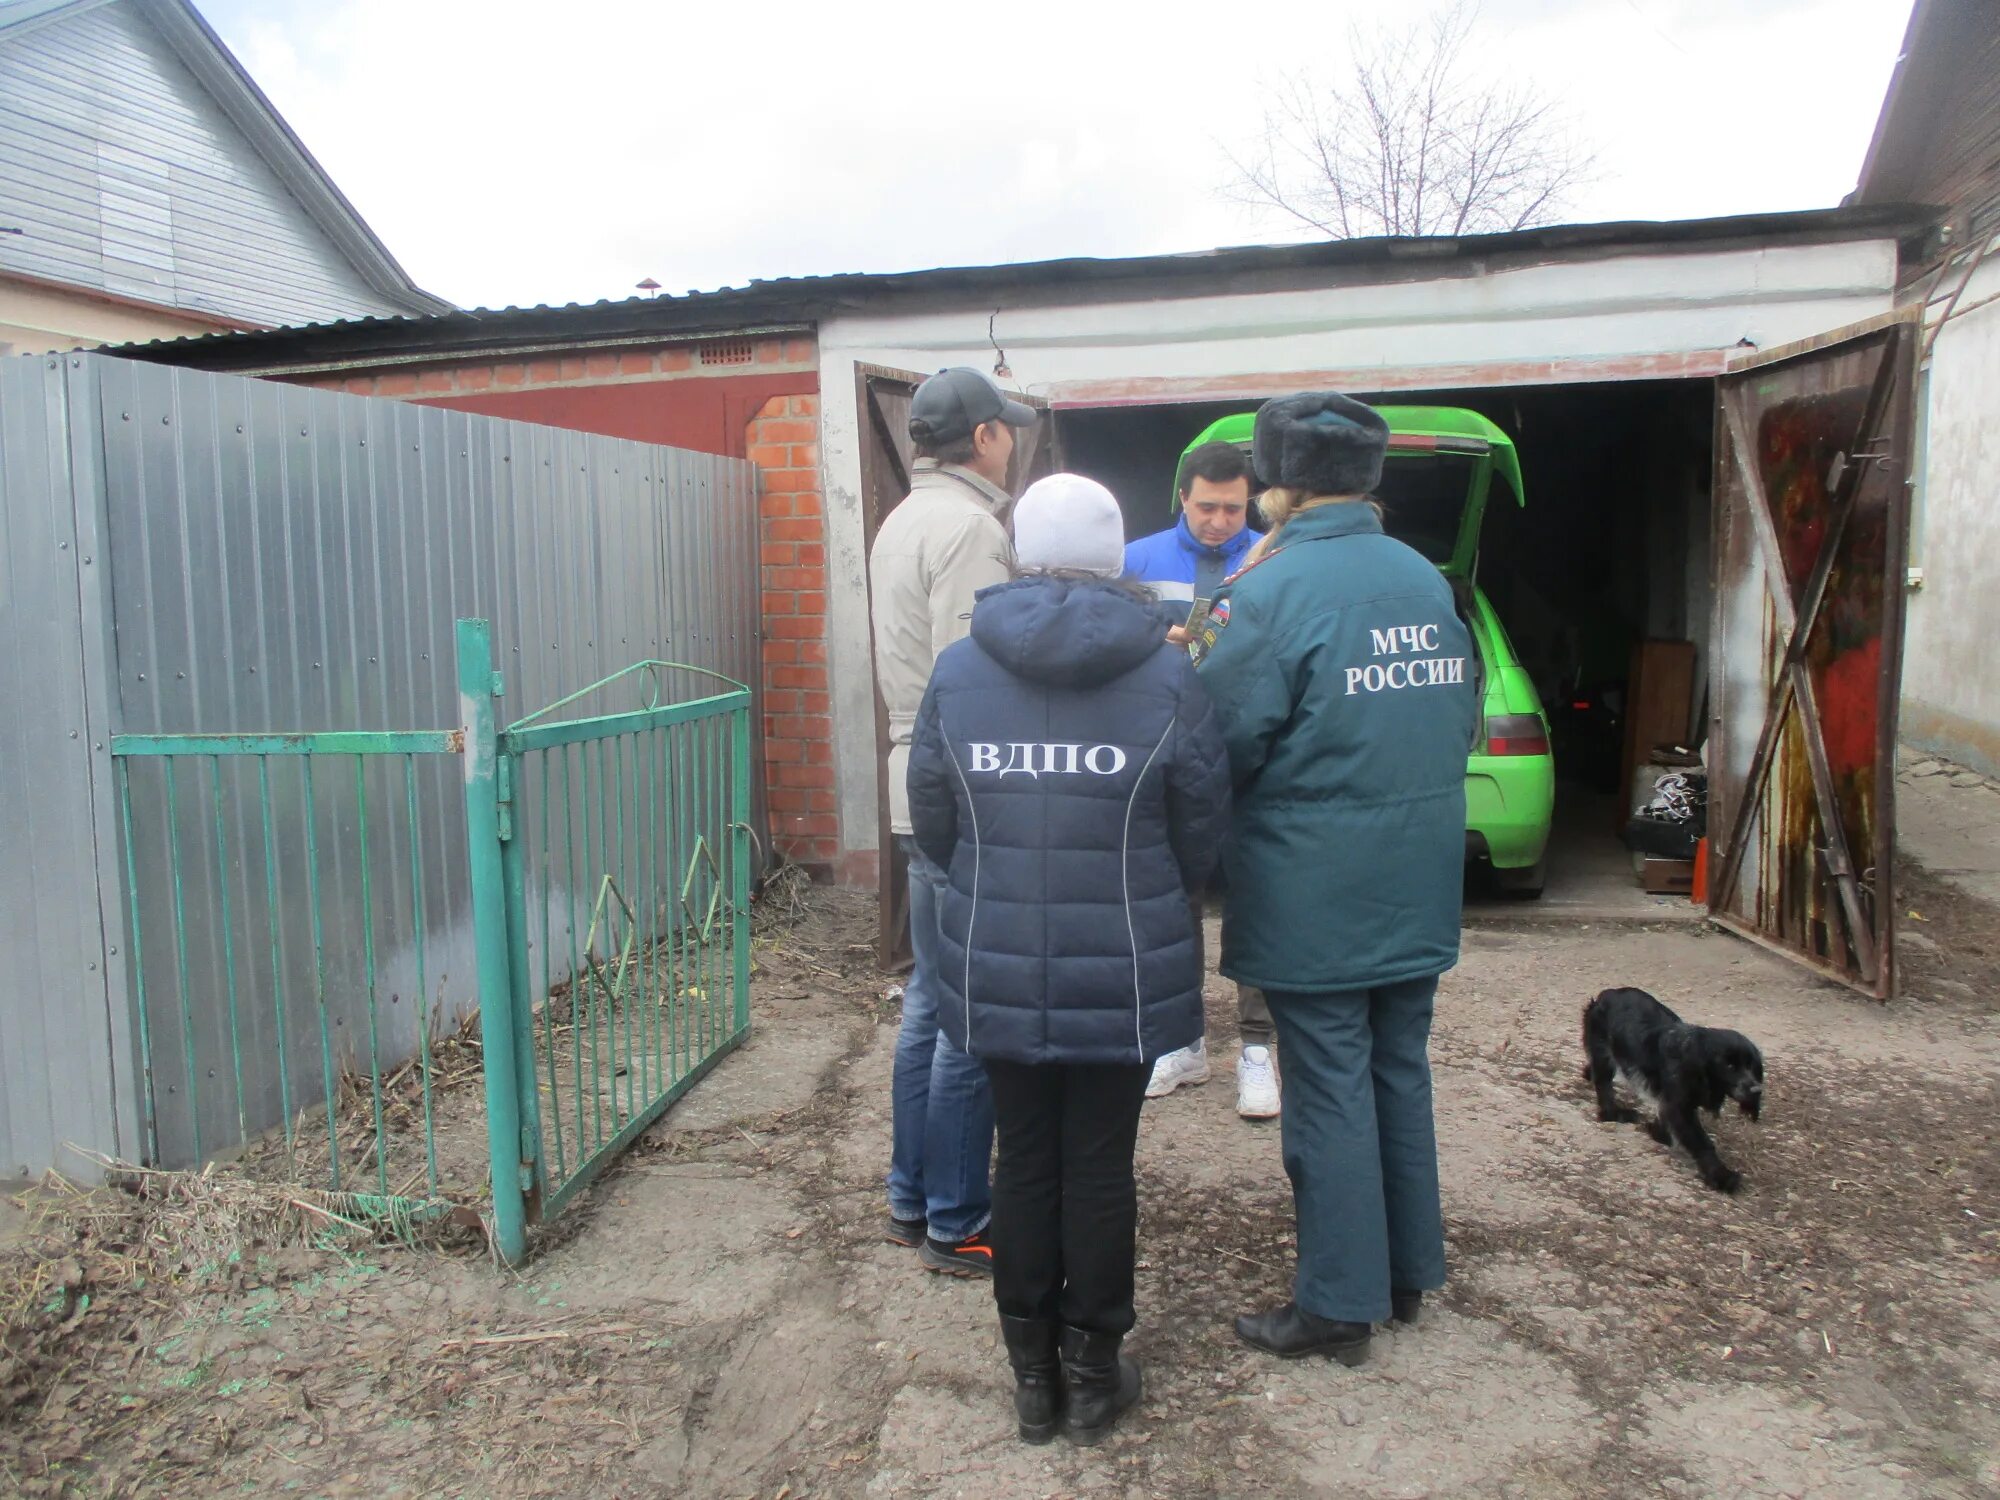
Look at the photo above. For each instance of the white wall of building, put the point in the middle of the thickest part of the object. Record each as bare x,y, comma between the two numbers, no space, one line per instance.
1951,681
1468,324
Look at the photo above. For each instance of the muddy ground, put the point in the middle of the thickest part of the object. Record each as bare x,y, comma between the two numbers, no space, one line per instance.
721,1320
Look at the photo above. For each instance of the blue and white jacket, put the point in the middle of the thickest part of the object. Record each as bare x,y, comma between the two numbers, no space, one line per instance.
1179,568
1069,775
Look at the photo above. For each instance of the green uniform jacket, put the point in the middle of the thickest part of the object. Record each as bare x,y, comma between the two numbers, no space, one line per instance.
1344,682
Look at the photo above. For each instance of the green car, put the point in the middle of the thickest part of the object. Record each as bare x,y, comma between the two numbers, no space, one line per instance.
1442,464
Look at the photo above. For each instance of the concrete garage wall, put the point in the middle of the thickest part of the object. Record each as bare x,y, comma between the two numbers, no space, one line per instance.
1383,327
1951,685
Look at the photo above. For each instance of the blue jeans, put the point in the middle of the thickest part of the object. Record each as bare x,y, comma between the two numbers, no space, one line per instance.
941,1135
1360,1145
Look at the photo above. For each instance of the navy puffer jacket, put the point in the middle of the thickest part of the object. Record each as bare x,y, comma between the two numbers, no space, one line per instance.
1068,772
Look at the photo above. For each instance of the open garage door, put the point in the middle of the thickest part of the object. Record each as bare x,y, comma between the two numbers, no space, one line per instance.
882,403
1813,454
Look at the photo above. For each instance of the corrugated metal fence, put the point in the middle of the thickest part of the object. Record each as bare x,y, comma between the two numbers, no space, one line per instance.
194,553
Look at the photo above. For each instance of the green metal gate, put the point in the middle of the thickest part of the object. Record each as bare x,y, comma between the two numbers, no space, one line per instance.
268,878
611,857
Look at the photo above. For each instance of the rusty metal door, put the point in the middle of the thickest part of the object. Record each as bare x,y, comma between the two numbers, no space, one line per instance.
882,406
1812,464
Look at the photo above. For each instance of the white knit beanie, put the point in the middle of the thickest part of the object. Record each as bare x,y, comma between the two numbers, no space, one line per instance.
1068,522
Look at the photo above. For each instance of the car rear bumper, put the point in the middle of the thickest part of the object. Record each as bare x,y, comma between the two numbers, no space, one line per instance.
1509,802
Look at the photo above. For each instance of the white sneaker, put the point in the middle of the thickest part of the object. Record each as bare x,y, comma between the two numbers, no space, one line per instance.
1256,1084
1189,1065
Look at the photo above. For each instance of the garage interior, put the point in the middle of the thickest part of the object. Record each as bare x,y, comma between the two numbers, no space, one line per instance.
1611,549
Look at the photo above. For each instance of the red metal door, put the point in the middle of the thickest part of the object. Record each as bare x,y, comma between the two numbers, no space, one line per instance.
1812,465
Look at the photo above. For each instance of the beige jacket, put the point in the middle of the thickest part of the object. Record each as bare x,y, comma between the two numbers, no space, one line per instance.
935,551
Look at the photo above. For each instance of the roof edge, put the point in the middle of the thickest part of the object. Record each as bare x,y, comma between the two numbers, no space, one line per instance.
218,70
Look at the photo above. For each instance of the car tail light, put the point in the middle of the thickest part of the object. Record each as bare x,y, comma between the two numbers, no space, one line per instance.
1516,734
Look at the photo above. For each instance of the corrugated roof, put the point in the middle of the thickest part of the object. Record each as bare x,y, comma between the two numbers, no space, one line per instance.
804,299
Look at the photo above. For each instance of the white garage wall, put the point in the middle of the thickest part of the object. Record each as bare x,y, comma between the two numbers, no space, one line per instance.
1951,688
1471,324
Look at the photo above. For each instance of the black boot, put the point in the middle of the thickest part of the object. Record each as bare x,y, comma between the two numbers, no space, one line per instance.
1290,1332
1406,1307
1102,1383
1038,1395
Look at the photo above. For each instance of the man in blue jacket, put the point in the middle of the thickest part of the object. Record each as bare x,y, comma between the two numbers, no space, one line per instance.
1188,561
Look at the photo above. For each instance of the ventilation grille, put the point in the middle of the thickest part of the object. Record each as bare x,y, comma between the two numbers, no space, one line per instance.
728,352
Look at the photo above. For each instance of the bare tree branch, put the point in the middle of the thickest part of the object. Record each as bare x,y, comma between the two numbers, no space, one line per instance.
1407,143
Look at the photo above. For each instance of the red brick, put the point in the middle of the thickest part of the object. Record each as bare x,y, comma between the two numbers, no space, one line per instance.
823,800
791,799
809,678
780,554
796,529
806,776
799,351
476,378
788,702
777,406
811,555
790,627
808,603
396,385
783,651
790,430
791,480
673,361
806,504
437,380
785,752
601,364
819,752
805,406
805,455
818,823
812,651
635,364
781,603
798,578
360,385
511,374
770,351
770,455
541,370
815,703
802,726
572,367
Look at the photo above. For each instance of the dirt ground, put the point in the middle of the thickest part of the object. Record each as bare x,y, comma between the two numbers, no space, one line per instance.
720,1318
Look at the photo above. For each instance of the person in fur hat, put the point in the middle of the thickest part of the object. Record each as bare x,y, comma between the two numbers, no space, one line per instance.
1342,678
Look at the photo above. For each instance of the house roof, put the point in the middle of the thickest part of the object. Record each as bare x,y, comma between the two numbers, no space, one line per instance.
1937,139
799,301
215,67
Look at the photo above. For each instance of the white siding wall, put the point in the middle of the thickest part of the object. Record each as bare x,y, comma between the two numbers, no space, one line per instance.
126,177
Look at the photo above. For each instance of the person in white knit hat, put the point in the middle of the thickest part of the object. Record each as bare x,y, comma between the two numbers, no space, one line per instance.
1066,773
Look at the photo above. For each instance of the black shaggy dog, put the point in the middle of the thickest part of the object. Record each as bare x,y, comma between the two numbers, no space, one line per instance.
1675,1069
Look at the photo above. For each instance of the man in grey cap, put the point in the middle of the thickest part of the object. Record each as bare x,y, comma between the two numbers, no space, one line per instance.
937,549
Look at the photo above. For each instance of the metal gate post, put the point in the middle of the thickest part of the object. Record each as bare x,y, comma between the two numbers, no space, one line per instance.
739,864
478,686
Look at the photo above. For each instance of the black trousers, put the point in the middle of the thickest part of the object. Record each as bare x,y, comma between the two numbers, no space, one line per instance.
1065,1210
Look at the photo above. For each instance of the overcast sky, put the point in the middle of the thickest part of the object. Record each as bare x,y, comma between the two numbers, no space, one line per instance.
517,151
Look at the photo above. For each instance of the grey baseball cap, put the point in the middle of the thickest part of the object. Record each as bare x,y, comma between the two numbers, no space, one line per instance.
952,402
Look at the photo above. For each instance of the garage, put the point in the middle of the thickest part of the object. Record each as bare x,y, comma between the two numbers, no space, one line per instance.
1697,410
1609,549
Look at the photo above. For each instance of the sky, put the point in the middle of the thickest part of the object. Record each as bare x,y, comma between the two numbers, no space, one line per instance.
512,152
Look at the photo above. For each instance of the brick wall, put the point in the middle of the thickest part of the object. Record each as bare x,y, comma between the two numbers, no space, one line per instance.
783,441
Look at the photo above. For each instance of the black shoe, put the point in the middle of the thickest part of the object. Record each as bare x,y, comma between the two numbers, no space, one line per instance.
1290,1332
1038,1392
1103,1384
971,1256
909,1233
1406,1307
